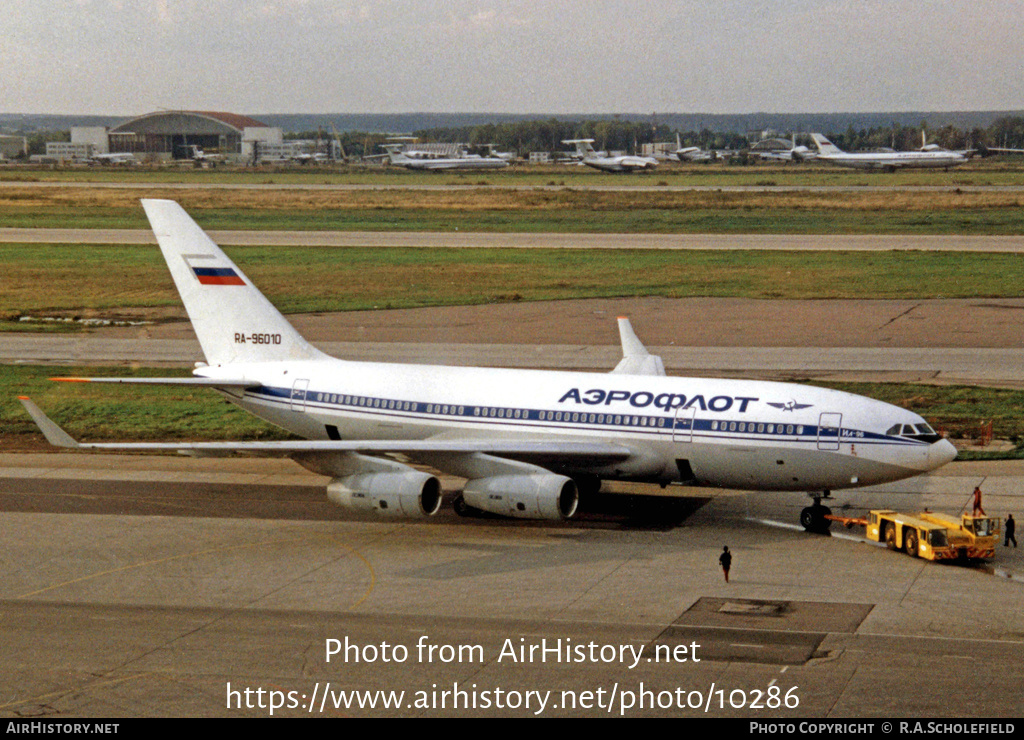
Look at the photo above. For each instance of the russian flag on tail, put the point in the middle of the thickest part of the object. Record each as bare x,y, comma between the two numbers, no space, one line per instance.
212,274
217,276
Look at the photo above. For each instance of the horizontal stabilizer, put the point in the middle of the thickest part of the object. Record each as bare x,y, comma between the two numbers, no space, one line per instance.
53,433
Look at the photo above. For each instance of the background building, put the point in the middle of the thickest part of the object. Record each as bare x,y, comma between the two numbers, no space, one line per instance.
181,134
13,147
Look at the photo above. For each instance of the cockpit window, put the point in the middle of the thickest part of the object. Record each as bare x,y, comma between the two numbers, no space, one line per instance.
920,432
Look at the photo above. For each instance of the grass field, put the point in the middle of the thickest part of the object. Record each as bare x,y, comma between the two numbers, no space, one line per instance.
69,279
530,209
103,412
996,171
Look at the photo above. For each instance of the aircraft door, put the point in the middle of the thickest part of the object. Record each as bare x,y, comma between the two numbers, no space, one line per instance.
682,428
298,400
829,425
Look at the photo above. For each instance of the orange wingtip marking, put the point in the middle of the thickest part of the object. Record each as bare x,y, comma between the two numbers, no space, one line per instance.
71,380
23,398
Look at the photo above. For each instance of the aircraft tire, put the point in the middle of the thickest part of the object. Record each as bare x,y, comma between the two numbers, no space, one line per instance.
812,518
826,524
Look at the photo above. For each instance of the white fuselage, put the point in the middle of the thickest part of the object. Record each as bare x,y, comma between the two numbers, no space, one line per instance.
754,435
431,161
624,163
895,160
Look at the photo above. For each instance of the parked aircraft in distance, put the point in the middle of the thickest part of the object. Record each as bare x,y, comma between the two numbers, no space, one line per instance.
622,163
889,161
492,151
418,159
683,153
308,157
926,147
795,153
115,158
696,154
526,441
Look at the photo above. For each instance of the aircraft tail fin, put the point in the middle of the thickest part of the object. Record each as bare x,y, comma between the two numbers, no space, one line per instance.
584,147
825,146
232,319
395,153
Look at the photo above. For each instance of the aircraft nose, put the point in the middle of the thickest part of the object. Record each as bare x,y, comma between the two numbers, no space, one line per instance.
940,453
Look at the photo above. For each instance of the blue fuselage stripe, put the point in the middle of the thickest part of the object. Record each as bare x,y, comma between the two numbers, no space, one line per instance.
668,425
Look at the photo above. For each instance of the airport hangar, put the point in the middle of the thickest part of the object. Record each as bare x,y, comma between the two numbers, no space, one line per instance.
175,134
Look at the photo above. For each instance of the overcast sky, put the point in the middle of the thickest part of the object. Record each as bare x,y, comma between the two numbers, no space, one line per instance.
119,57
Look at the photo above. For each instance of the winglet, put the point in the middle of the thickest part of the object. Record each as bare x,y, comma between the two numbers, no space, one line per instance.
636,360
53,433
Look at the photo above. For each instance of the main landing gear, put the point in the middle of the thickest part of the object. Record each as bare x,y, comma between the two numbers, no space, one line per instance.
813,518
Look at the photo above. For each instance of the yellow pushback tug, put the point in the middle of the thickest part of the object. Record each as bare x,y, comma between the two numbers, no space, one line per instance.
930,535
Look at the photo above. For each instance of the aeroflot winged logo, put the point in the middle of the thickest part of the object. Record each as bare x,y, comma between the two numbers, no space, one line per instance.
791,406
208,272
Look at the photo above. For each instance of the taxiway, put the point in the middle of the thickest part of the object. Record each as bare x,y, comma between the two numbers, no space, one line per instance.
498,240
136,586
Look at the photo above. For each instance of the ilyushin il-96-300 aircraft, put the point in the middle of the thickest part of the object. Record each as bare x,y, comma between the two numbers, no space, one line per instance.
526,441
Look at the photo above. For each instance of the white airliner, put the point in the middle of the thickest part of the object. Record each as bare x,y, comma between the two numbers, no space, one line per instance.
890,161
684,153
115,158
426,160
795,153
525,440
623,163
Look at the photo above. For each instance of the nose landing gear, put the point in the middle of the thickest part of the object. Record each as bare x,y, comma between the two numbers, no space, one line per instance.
813,518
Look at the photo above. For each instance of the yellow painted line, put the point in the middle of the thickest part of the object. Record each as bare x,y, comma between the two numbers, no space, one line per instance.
198,553
63,692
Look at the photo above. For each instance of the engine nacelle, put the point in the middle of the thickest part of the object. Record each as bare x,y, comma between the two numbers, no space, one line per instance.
525,496
412,494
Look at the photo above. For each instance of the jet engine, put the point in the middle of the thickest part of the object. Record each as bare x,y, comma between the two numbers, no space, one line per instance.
411,494
524,496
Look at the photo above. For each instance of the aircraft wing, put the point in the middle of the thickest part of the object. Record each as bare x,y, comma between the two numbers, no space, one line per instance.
201,382
525,449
